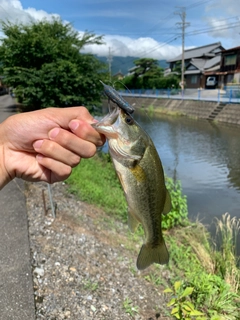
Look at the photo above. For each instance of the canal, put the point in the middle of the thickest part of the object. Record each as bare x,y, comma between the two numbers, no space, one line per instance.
205,156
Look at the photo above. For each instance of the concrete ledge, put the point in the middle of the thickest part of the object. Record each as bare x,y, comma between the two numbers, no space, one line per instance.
199,109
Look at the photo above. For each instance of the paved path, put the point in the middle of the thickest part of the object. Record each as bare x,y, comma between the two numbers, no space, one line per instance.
16,288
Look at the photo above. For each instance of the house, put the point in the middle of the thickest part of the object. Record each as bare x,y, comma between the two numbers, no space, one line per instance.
197,61
230,66
119,75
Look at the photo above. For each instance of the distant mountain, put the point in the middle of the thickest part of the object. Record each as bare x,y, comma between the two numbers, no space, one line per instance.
123,64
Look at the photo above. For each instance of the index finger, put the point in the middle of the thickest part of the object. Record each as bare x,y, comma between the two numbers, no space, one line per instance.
85,131
62,116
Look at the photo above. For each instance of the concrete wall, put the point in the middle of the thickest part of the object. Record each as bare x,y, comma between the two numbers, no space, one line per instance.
229,113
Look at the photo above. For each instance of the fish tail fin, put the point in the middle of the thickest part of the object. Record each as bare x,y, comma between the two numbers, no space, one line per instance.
147,255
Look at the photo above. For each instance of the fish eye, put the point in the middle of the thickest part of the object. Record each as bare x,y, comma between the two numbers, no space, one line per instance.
129,120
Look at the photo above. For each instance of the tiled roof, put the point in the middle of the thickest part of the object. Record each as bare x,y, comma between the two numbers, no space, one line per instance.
212,62
198,63
199,52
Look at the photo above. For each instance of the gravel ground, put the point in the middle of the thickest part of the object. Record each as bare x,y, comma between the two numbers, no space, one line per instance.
84,263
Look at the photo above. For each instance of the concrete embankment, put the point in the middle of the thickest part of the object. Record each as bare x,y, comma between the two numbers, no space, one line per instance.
229,113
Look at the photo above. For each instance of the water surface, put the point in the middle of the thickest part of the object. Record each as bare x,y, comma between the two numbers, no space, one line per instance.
205,156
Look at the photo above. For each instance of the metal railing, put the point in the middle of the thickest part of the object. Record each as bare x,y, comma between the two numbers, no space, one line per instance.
226,95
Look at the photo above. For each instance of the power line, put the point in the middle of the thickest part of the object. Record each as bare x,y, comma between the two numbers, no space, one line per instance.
219,28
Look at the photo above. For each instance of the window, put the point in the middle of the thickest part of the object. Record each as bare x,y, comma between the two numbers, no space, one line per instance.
193,79
230,59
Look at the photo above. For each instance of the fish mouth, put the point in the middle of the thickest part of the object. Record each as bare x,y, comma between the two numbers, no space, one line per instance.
106,125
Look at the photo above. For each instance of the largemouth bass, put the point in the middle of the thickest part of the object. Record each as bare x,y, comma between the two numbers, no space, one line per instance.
140,172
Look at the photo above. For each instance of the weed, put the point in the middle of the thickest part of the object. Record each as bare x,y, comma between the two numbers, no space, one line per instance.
226,257
179,213
129,308
182,307
154,279
90,285
150,110
211,294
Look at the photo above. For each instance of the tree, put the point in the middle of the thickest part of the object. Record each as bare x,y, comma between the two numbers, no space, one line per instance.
43,63
145,74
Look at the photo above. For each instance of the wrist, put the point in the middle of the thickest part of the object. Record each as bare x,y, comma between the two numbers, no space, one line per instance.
4,176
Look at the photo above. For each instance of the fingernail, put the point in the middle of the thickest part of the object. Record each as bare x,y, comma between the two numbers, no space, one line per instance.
95,120
73,125
39,157
53,133
37,144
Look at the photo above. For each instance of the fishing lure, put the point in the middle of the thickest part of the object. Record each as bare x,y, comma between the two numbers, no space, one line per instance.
115,97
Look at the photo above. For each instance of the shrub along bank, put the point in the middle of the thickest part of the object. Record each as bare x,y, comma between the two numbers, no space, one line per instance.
204,281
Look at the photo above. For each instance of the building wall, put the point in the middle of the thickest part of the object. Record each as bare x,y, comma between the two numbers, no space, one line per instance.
193,81
237,77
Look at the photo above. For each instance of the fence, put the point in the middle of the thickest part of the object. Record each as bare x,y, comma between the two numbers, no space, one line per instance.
226,95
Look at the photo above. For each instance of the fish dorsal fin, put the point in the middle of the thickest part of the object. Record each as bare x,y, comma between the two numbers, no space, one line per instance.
168,204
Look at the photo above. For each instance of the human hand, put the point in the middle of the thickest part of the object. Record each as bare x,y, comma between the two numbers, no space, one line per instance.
45,145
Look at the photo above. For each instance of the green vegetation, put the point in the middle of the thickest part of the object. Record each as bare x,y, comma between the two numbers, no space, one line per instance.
226,257
90,285
204,279
195,260
147,74
102,187
129,308
182,307
154,111
43,64
179,213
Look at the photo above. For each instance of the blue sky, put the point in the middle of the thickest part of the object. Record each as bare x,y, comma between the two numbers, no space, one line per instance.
138,27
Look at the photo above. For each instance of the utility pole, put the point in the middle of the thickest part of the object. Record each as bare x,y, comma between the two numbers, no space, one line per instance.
182,25
109,59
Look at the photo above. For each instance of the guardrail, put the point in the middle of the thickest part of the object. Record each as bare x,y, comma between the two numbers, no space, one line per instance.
226,95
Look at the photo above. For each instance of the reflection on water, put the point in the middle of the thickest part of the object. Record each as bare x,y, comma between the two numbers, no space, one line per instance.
206,158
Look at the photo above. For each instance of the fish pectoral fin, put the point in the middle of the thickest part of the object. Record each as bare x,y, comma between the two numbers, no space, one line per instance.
118,151
157,254
132,222
168,204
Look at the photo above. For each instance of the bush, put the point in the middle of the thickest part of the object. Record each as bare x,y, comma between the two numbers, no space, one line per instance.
179,213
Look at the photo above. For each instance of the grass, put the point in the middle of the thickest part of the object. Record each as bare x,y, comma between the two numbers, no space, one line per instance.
227,259
152,110
193,261
95,182
129,308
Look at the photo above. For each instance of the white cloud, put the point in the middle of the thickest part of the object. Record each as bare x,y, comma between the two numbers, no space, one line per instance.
13,11
223,18
40,14
140,47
